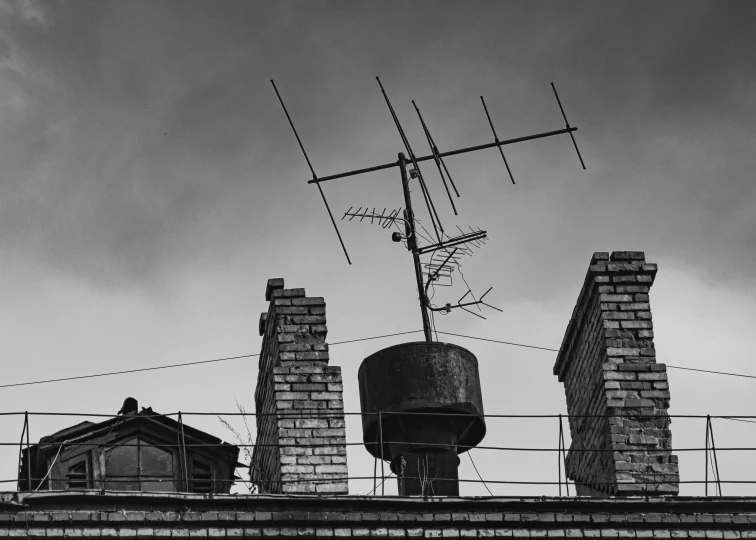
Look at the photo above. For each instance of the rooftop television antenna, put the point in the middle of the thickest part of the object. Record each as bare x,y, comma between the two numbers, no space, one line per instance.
445,248
421,402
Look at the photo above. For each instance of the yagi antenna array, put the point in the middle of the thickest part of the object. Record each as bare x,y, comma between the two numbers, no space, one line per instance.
445,250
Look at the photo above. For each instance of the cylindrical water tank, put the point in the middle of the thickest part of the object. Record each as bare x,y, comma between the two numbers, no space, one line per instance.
423,402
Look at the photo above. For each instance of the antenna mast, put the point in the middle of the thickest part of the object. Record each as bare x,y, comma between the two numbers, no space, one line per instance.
412,246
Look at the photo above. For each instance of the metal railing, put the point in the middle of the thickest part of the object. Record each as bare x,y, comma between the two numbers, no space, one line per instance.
710,449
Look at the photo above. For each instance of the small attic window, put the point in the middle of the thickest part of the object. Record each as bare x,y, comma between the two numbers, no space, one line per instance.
77,476
139,465
202,480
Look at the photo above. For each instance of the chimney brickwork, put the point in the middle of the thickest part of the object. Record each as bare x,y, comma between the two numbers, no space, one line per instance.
607,362
301,438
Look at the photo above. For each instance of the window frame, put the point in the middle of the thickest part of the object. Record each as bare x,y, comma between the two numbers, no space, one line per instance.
139,479
87,478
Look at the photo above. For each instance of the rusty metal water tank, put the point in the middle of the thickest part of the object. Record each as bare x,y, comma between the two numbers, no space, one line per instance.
439,383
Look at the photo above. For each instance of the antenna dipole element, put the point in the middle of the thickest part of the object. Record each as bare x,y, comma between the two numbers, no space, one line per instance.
496,139
412,246
437,159
312,170
567,124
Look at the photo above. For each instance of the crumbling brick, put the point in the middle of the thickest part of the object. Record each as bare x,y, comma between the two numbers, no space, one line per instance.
301,442
607,363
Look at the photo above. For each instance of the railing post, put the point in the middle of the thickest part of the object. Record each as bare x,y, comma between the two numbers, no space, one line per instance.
28,451
564,455
710,430
706,460
21,451
182,452
559,455
380,434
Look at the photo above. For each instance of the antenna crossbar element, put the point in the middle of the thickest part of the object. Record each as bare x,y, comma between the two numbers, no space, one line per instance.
434,276
446,154
448,307
383,219
469,237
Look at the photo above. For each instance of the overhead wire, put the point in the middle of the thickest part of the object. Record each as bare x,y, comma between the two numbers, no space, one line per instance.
478,473
227,358
713,372
737,419
153,368
125,371
557,350
500,342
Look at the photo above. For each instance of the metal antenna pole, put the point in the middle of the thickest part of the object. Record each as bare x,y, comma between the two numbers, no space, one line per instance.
412,246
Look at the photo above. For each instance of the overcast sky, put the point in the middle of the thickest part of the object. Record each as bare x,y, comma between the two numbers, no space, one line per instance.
150,185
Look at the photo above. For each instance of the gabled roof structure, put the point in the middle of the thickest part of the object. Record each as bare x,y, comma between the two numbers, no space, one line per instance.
134,451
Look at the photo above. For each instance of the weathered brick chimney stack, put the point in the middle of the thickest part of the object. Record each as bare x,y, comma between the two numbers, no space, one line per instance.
607,363
301,440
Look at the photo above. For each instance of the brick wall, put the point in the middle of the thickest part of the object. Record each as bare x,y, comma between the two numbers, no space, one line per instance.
301,439
69,515
607,363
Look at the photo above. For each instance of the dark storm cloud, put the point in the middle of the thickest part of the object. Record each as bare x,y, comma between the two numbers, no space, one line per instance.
147,120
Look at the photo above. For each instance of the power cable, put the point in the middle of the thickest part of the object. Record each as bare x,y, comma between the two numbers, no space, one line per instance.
511,343
479,476
557,350
714,372
735,419
379,485
497,341
374,337
127,371
77,377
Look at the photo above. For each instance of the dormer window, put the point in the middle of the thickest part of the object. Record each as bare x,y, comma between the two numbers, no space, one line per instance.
139,450
139,465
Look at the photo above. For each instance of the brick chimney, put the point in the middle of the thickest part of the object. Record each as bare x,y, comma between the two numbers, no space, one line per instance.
301,440
607,363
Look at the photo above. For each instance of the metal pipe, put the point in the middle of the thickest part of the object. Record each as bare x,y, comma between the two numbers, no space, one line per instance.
412,246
